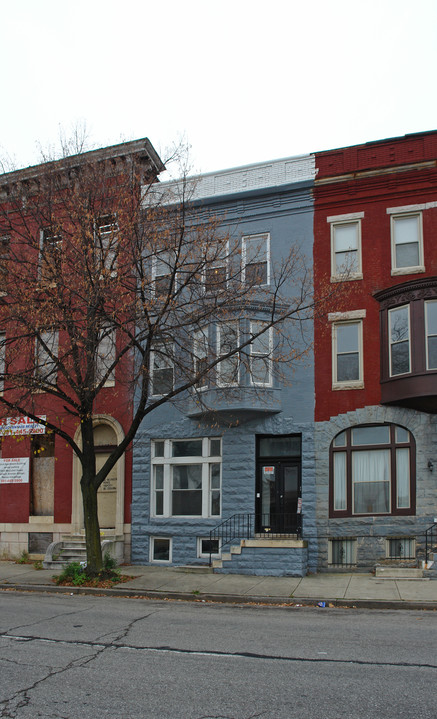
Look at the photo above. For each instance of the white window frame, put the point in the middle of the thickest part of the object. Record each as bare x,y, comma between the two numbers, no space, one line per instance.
103,361
413,269
2,360
205,460
105,238
51,338
427,333
56,244
339,221
152,549
244,241
267,355
200,352
170,365
390,343
205,555
163,257
347,384
236,356
218,262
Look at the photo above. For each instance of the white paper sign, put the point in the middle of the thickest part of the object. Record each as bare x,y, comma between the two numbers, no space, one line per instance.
14,470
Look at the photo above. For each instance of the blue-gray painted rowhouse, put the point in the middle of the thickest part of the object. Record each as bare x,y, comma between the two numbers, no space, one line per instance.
256,456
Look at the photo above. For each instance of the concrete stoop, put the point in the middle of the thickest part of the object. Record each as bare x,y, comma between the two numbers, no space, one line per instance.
265,557
394,572
72,548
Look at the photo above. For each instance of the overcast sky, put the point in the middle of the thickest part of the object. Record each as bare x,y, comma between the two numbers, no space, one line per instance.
241,81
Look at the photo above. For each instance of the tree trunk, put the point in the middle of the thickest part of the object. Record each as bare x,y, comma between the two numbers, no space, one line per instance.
91,523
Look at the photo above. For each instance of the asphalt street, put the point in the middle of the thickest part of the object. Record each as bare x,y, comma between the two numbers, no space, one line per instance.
80,657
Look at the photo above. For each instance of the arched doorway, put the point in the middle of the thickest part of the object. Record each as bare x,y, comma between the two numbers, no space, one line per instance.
107,433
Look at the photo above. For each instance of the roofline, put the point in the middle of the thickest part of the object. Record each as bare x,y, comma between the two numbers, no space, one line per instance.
132,147
376,142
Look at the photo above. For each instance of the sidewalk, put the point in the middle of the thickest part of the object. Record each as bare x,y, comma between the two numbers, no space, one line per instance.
352,590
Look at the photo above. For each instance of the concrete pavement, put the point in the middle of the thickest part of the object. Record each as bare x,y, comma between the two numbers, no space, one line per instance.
337,589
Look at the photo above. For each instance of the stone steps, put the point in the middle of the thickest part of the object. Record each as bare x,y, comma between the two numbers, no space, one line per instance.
261,556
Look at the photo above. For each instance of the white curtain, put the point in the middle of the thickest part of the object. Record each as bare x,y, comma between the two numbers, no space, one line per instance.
371,481
403,478
339,480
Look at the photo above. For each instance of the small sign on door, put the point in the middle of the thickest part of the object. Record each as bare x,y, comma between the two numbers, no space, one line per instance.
269,470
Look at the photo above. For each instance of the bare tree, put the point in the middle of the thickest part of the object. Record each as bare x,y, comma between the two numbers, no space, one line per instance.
110,280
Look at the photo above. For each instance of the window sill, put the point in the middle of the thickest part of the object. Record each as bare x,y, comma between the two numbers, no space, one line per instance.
347,278
407,270
347,385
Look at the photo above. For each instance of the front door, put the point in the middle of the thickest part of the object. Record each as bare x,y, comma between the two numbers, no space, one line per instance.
277,497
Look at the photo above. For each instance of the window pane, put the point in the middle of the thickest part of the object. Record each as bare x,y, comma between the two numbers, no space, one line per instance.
340,481
340,440
346,237
158,449
347,337
406,237
431,317
348,367
187,503
261,344
407,255
400,358
215,447
187,476
403,478
161,550
159,504
380,434
260,370
209,545
187,448
215,503
402,435
279,446
371,482
256,273
159,476
346,262
215,476
432,352
162,381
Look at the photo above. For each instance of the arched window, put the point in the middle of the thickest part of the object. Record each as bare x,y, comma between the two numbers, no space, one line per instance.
372,471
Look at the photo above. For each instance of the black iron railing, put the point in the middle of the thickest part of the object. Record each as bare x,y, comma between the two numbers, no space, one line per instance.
246,526
430,541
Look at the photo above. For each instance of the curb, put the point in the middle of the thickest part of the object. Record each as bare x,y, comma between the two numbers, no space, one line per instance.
282,602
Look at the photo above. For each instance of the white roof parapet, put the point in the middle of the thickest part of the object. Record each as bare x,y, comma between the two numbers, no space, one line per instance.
241,179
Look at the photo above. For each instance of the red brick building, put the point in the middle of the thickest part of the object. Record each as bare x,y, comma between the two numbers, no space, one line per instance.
375,224
40,497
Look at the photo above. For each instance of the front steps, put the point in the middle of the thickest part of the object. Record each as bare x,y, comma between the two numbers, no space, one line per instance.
72,548
265,557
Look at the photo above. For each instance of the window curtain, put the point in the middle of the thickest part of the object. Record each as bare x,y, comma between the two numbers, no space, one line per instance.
371,481
339,481
403,478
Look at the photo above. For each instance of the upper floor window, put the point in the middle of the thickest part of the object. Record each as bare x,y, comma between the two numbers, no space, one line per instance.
50,257
163,274
261,355
347,354
46,352
4,260
407,243
200,355
215,273
256,259
105,356
2,360
227,341
107,243
431,334
346,246
372,471
162,369
399,339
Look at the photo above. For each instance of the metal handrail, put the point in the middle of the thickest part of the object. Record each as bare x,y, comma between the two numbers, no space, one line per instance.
430,541
242,526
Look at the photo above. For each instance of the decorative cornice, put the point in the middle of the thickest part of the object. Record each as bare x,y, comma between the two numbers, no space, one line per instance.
419,289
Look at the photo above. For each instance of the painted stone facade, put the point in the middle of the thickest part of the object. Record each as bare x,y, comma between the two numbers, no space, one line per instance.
276,199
